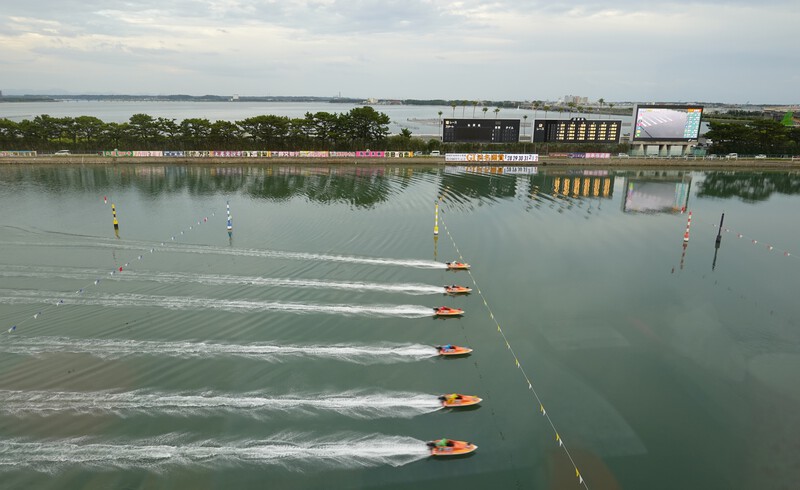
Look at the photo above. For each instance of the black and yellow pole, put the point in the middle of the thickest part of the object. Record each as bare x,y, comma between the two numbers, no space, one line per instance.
116,223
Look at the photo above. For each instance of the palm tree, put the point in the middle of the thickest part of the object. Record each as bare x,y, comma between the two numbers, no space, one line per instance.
453,104
546,108
602,102
463,107
474,105
571,105
525,121
440,123
496,110
485,109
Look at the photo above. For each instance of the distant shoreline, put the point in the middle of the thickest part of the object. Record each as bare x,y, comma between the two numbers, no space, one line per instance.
677,162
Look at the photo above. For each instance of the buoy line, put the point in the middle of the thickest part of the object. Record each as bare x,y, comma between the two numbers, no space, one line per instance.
755,241
117,269
542,410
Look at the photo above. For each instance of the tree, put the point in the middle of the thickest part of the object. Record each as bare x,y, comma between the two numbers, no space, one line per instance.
89,128
485,110
405,133
496,110
10,133
453,104
440,124
195,132
142,127
266,130
115,133
474,105
364,125
223,135
602,102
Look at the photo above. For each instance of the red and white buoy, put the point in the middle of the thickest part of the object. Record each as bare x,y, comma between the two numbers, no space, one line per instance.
688,224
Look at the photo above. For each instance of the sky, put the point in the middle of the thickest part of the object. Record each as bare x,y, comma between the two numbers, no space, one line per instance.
729,51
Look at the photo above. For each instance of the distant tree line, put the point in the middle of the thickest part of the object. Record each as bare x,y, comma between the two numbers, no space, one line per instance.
763,136
360,128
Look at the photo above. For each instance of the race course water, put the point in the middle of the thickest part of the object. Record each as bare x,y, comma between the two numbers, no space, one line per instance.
300,350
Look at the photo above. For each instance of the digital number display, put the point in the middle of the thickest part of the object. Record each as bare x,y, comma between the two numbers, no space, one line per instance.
577,130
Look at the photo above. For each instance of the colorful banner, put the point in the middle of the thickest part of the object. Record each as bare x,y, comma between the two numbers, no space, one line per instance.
18,153
491,157
370,154
489,169
589,155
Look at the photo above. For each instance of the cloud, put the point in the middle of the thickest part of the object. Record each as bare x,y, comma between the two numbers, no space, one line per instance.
471,49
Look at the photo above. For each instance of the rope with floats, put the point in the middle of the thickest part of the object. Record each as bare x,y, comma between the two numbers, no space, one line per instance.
117,270
542,410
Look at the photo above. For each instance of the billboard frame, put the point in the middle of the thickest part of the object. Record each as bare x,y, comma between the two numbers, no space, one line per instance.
649,140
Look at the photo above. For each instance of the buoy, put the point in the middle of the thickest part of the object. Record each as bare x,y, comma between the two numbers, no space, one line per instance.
436,220
105,199
114,212
688,224
120,269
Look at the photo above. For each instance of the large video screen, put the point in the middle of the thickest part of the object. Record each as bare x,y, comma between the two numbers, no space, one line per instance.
480,130
667,123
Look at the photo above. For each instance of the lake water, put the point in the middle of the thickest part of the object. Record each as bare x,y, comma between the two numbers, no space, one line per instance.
296,352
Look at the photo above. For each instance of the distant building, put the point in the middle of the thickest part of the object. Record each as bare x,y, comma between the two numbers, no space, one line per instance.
576,99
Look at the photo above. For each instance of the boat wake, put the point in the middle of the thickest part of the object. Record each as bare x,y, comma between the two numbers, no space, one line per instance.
215,280
244,252
292,451
356,404
123,300
119,349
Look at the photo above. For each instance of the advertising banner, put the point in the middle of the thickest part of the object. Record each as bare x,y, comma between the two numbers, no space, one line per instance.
491,157
18,153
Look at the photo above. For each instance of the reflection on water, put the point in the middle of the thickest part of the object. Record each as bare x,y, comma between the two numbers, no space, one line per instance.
749,186
306,316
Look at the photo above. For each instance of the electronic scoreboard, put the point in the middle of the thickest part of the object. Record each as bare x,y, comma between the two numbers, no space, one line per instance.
577,130
480,131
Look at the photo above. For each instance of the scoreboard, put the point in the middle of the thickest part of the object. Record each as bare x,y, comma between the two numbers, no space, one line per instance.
480,131
577,130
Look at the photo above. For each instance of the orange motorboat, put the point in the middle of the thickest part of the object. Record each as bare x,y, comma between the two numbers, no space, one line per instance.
454,400
454,265
452,350
456,289
447,311
450,447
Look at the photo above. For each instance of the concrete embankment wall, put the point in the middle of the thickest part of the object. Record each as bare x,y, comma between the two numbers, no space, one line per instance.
688,163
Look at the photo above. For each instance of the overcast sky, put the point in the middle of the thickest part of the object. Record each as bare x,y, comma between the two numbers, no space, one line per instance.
733,51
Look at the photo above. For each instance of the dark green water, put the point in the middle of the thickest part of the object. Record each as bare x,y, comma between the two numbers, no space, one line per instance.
296,353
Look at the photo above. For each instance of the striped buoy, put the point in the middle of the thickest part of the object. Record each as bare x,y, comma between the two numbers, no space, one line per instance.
688,224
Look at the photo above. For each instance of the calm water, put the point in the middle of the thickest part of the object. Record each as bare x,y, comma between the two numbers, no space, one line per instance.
296,353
